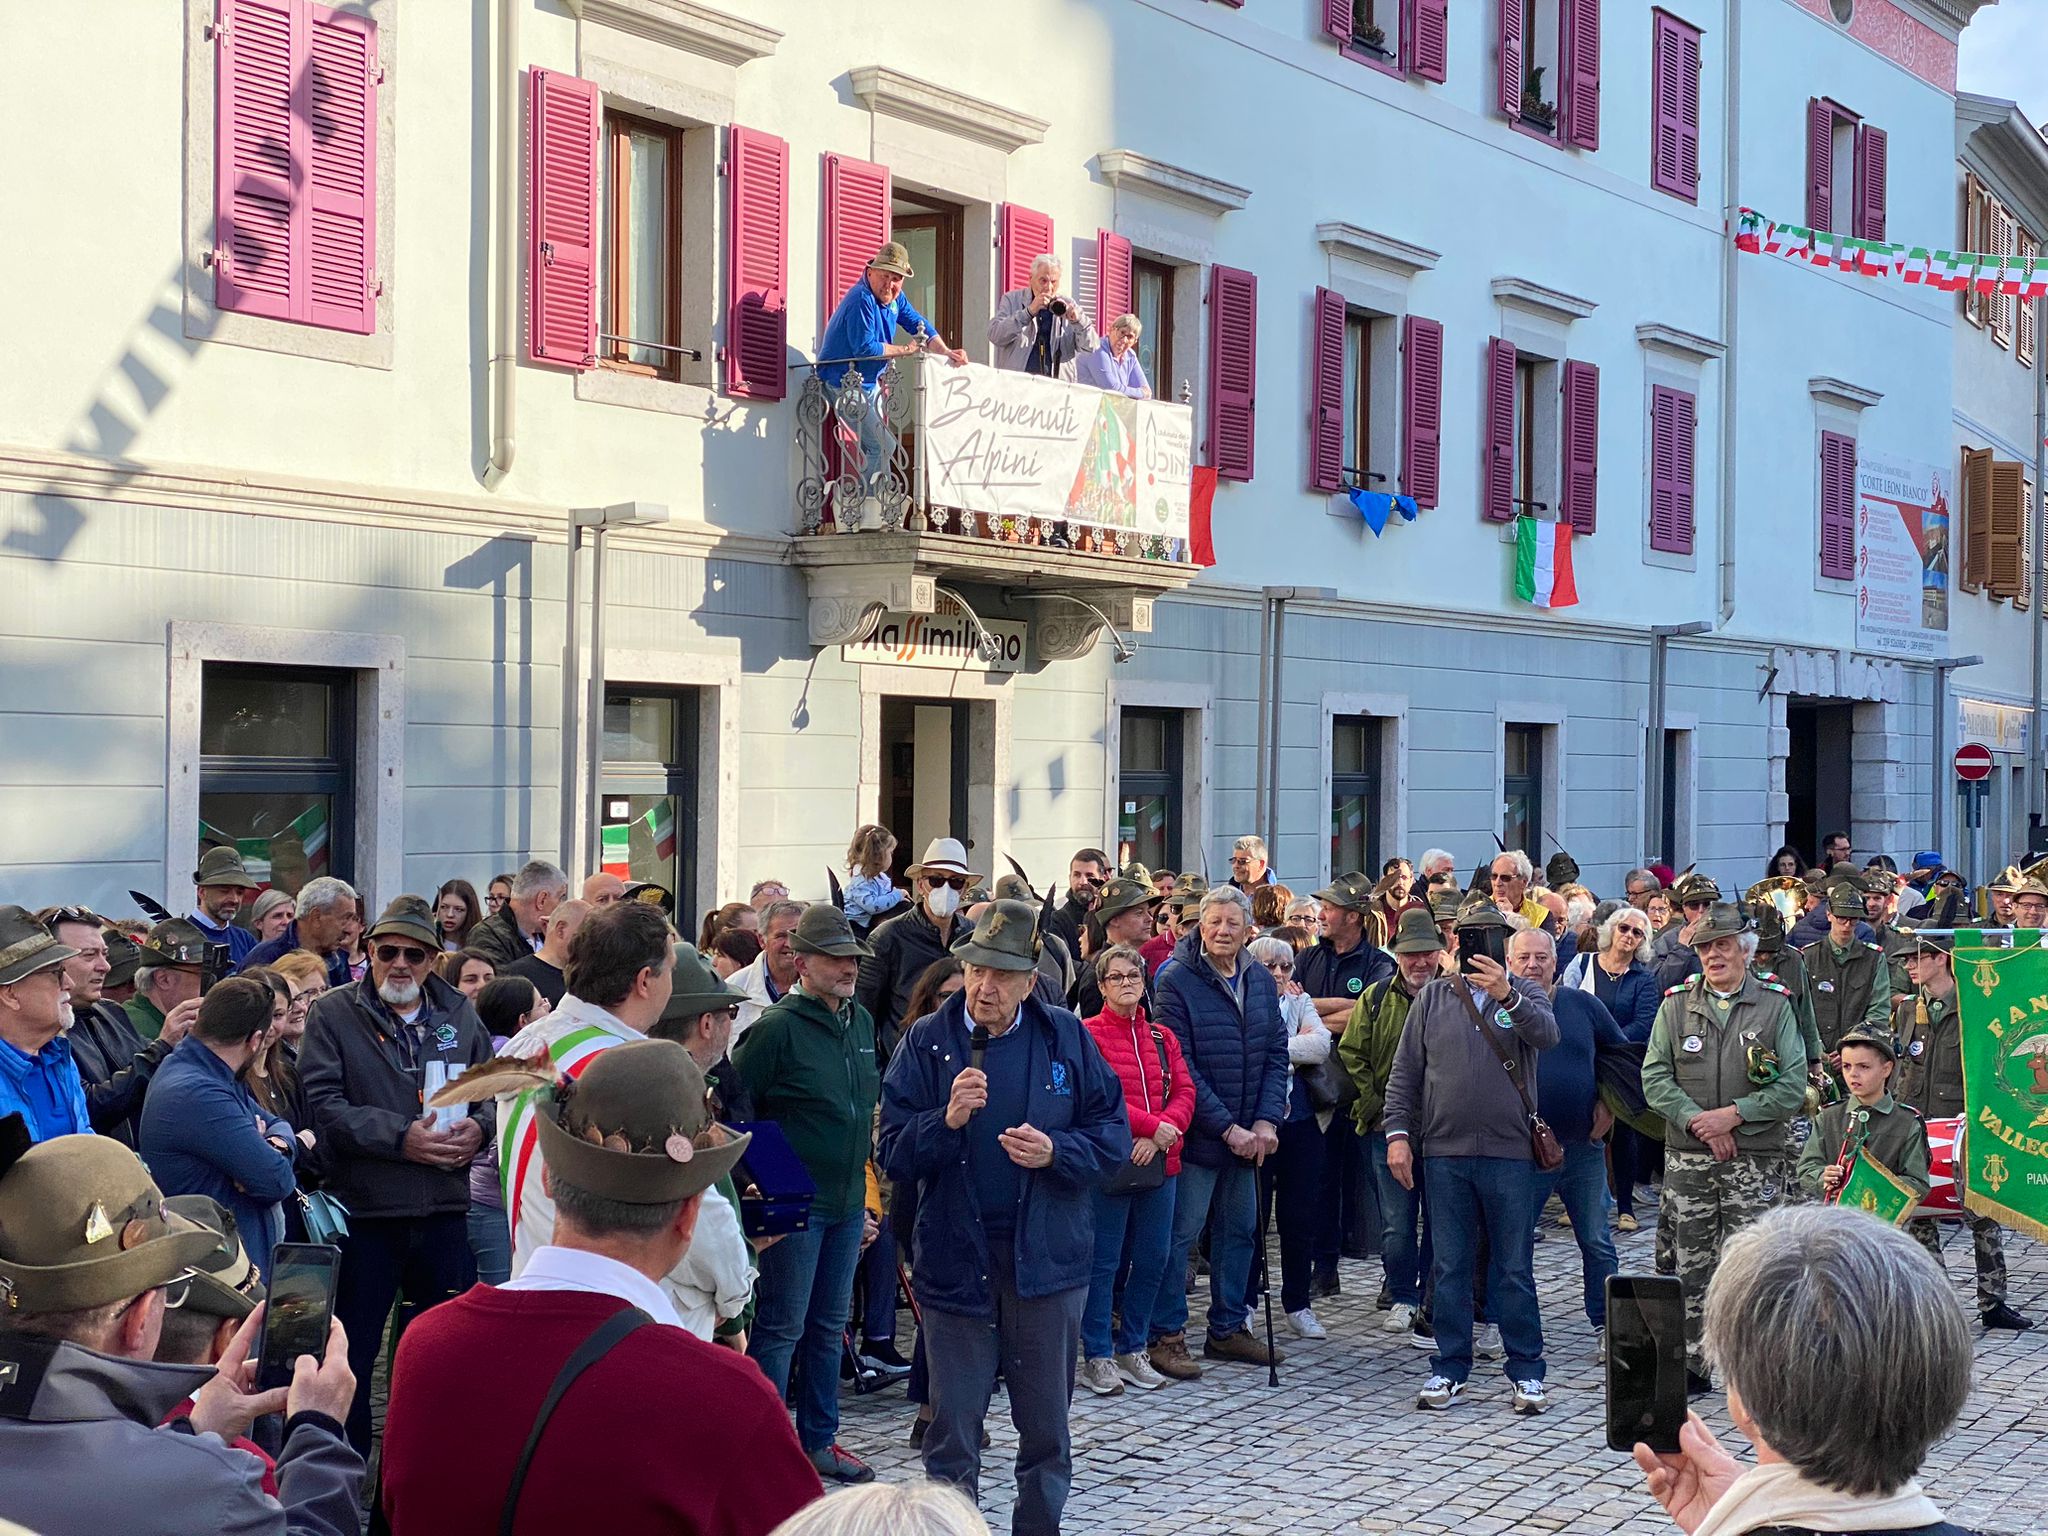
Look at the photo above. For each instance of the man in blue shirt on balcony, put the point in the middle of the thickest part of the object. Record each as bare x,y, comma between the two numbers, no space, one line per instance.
862,335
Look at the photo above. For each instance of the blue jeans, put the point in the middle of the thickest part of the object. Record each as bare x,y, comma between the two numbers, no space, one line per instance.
490,1240
1405,1258
1582,1184
1141,1225
1497,1194
805,1292
1231,1194
878,1289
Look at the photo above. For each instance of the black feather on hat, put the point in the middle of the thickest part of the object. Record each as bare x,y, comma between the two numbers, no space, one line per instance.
838,894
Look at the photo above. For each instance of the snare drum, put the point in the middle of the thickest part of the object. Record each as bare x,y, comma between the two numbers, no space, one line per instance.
1944,1200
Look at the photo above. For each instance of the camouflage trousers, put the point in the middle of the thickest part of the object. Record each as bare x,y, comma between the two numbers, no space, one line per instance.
1704,1203
1987,1237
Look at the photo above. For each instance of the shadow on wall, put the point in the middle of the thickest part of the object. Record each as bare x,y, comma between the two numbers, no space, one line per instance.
501,566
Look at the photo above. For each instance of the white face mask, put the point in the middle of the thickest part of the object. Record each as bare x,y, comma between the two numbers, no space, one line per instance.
942,901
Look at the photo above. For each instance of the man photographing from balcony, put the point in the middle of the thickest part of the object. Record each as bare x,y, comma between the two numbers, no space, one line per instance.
1037,329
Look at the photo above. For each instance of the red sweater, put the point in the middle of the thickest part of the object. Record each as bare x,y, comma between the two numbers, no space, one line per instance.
1126,1044
666,1433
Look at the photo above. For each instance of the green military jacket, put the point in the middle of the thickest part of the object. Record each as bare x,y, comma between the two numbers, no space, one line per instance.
1930,1036
147,1018
1787,967
1893,1135
1850,986
1698,1059
1366,1048
813,1072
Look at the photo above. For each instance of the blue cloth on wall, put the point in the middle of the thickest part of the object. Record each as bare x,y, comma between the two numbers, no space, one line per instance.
1378,508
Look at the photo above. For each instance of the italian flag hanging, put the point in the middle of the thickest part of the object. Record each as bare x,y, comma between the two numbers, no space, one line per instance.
1543,564
661,824
615,841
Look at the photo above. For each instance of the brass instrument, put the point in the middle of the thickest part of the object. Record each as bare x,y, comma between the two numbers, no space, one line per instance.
1785,892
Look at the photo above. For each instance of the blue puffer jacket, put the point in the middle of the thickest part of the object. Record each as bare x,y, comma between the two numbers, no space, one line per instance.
1075,1099
1239,1061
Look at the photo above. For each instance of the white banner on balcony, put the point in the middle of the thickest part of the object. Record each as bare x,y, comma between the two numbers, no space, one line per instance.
1010,445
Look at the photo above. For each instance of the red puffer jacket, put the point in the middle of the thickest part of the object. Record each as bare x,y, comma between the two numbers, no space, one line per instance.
1131,1047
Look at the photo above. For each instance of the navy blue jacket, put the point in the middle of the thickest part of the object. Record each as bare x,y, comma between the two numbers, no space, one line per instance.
1632,1004
199,1137
270,951
1075,1099
1566,1090
1238,1061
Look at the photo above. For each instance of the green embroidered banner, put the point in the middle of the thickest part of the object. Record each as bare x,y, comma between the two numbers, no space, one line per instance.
1873,1188
2004,1002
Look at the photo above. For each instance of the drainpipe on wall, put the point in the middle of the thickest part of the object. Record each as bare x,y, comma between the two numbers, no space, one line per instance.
1731,181
2037,791
504,331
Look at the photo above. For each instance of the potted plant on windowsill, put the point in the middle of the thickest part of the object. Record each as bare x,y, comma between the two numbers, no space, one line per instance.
1363,33
1537,112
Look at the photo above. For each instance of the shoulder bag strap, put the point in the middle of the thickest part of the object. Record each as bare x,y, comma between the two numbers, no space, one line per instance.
1165,1072
1512,1063
608,1335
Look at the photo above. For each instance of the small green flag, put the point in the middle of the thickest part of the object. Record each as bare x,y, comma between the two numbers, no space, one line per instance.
1873,1188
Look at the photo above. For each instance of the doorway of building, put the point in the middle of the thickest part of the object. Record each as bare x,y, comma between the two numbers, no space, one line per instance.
925,772
1817,767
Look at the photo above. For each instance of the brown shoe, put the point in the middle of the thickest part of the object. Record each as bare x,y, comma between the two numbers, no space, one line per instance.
1169,1356
1241,1345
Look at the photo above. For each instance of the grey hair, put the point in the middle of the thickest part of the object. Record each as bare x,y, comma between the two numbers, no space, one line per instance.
915,1508
1304,904
1817,1306
145,977
1515,922
602,1216
1609,915
1042,263
1524,870
1634,875
1128,952
1435,856
1224,896
537,875
1129,323
1747,939
782,907
318,895
1578,911
1252,844
1270,948
1541,933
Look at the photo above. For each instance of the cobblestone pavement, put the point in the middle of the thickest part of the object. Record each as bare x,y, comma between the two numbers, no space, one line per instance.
1340,1447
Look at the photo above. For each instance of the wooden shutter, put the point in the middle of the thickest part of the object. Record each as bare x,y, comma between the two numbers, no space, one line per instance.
2029,249
1672,468
1837,506
561,204
1422,400
856,222
757,264
1326,394
1508,94
1998,227
1497,501
1973,235
1675,108
1581,41
1026,235
1871,155
1820,165
2005,572
1976,529
295,163
1233,370
1113,286
1426,37
1581,433
1337,19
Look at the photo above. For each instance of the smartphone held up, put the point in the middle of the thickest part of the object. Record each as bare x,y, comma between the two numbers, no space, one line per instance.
300,1311
1646,1400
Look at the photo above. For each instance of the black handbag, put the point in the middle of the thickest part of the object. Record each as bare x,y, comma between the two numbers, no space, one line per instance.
1141,1178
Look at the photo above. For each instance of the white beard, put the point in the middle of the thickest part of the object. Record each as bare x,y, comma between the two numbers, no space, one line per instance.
65,1017
400,995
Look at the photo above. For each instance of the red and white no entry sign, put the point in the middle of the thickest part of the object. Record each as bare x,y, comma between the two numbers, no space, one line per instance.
1973,762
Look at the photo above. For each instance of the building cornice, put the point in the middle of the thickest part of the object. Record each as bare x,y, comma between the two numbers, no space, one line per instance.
1547,303
1681,344
1375,249
684,24
893,93
1840,392
1947,17
1205,194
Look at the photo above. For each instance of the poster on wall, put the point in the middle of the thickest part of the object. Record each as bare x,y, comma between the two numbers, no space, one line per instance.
1902,557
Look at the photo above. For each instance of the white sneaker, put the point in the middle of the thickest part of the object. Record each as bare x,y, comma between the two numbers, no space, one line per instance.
1100,1377
1486,1345
1137,1370
1529,1397
1439,1392
1400,1318
1306,1326
1600,1349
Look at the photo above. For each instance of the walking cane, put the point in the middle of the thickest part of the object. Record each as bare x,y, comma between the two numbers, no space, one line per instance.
1266,1279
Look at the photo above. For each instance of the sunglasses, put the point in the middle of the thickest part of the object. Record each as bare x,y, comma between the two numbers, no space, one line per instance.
733,1012
957,882
1509,875
412,954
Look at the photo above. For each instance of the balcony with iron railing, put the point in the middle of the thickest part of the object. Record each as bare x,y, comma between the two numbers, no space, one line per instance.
1056,495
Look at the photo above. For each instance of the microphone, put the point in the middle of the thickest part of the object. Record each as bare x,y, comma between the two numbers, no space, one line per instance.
979,1041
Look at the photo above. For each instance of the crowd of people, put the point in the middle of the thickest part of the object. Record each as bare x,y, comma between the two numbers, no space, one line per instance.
1044,1122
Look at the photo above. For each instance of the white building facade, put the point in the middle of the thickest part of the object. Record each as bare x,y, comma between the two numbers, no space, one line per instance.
286,535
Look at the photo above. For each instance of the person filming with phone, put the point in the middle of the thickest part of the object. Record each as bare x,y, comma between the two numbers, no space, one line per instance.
1038,329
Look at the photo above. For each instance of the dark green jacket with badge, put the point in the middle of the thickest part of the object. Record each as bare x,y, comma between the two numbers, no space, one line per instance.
1787,967
1930,1037
1894,1136
1699,1058
1850,986
813,1072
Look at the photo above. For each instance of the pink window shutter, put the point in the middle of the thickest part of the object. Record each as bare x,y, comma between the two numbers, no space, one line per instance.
1581,109
1688,111
1422,398
339,86
1683,450
1233,370
1671,471
257,223
1026,236
757,265
1326,394
1837,506
1581,432
1509,36
1426,37
1871,155
1673,85
1113,282
1337,19
1497,503
562,199
856,222
1820,165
